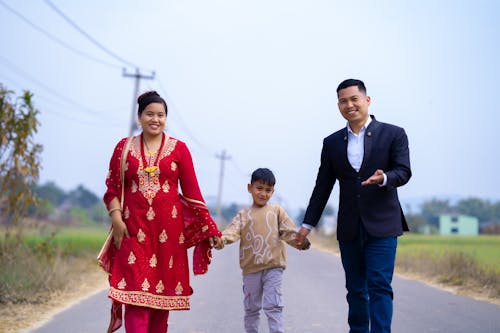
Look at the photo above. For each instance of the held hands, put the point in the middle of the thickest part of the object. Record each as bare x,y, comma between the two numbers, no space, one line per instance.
301,242
213,240
377,178
218,243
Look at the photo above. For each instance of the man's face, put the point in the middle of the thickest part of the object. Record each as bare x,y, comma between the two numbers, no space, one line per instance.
353,104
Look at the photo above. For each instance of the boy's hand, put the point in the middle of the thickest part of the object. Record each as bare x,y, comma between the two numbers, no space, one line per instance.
300,237
219,243
306,245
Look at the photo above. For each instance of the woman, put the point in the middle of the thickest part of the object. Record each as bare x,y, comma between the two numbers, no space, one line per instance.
155,225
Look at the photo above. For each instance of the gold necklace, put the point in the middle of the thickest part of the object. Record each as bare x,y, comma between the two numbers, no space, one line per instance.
148,168
150,151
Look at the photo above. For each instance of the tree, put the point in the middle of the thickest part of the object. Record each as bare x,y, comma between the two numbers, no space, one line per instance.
82,197
19,155
435,207
479,208
52,193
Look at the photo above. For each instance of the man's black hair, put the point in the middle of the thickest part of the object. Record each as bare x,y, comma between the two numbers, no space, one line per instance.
352,82
265,175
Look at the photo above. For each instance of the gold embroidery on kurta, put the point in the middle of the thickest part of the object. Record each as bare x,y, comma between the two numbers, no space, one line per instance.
160,287
122,284
174,212
204,228
181,238
163,236
145,285
141,236
165,187
169,147
151,214
131,258
149,184
153,261
178,289
134,186
126,214
173,166
171,262
108,175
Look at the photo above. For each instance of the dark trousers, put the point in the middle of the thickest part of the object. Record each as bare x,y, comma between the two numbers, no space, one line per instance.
369,265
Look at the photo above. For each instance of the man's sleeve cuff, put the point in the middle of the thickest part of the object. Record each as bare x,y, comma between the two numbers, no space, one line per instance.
307,226
384,183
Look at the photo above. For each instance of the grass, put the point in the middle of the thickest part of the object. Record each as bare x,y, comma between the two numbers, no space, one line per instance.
45,261
471,265
483,250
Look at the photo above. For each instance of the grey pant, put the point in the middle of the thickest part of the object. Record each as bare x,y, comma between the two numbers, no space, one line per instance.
263,290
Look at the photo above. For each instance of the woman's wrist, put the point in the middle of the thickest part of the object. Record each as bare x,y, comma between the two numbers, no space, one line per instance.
113,210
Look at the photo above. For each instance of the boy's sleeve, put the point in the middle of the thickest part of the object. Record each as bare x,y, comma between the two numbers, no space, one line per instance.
232,232
288,229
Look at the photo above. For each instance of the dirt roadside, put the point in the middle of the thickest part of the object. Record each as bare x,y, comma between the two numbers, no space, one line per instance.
21,318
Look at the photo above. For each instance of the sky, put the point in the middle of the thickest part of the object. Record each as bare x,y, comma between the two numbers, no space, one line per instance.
257,80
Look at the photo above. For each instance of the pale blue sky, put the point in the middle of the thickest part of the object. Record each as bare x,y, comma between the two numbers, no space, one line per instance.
258,79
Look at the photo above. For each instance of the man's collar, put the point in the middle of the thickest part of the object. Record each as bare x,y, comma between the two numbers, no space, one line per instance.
365,126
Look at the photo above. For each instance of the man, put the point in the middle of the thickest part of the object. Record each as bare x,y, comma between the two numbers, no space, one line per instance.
370,159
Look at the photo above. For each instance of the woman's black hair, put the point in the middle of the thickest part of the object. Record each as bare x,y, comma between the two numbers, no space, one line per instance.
147,98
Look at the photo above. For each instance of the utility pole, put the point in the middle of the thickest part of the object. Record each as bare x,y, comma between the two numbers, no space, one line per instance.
137,75
223,157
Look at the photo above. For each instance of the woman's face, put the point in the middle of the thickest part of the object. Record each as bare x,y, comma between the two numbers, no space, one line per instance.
153,119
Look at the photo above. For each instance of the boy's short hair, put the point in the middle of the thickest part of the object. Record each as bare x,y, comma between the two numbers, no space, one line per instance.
263,174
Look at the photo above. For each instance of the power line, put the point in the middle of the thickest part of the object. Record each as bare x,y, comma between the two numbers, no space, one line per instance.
53,92
88,36
54,111
179,116
55,39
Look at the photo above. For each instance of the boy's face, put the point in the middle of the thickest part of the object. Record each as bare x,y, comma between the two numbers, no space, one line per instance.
261,192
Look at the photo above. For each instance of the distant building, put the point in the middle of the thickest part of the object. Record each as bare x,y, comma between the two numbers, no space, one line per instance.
462,225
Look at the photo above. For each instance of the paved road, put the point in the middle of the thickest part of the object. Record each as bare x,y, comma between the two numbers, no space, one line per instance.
314,302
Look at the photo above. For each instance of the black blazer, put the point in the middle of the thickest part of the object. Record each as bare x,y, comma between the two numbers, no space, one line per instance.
378,208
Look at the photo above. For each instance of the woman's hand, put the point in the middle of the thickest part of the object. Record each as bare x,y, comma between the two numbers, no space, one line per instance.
119,231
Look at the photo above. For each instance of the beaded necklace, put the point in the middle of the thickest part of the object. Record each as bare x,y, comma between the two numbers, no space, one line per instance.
150,169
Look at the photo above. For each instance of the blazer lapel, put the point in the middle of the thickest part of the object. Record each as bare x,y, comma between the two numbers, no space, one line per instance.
371,131
344,151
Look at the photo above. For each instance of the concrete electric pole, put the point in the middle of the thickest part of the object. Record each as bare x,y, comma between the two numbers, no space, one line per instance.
223,157
137,75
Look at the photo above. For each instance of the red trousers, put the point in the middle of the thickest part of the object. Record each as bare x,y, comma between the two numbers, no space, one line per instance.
139,319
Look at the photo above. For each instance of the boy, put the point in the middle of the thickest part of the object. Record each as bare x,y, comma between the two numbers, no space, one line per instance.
262,230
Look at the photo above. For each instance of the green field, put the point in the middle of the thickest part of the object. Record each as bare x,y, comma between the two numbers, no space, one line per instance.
483,250
66,241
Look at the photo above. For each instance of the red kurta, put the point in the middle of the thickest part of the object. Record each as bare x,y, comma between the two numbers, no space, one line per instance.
151,267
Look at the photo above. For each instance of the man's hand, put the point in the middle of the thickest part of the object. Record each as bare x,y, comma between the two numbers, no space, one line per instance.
377,178
300,238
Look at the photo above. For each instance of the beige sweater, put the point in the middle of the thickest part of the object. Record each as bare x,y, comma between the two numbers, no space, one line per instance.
262,233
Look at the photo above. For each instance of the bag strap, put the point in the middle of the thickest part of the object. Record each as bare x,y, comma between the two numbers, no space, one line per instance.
122,168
